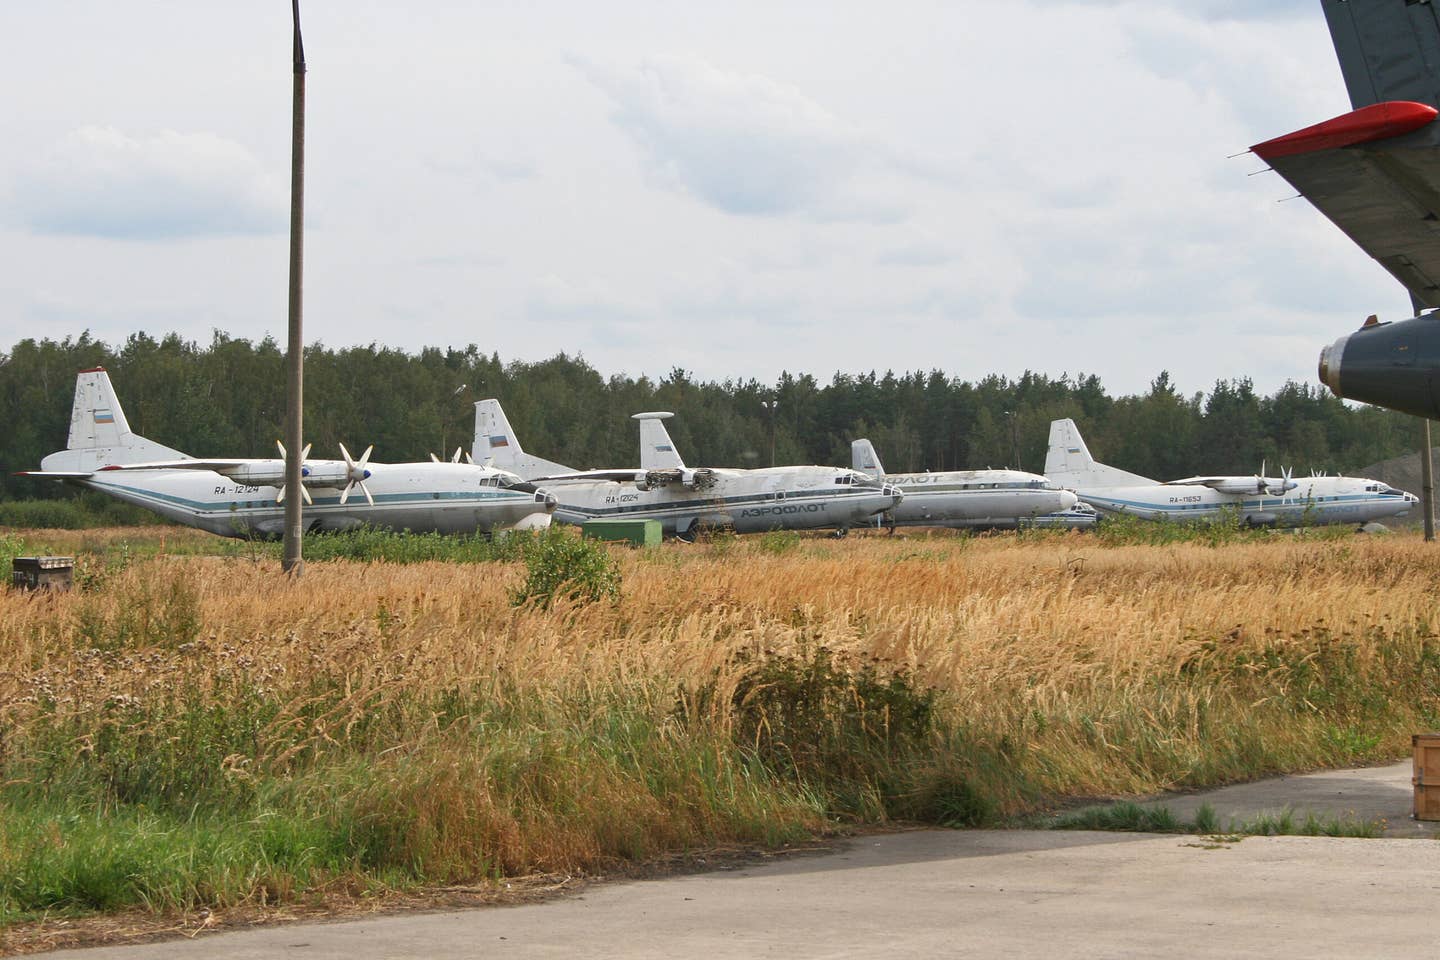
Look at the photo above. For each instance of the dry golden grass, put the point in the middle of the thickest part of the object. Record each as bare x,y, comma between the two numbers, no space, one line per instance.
990,622
965,615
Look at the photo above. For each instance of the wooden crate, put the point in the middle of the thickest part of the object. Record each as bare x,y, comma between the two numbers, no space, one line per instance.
42,573
1427,775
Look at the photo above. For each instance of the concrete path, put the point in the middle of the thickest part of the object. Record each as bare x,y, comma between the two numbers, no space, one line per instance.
978,893
1370,793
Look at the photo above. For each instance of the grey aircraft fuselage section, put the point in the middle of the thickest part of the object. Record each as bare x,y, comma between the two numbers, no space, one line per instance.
748,501
978,499
421,497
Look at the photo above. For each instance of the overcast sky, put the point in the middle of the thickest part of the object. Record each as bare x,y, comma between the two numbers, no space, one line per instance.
733,188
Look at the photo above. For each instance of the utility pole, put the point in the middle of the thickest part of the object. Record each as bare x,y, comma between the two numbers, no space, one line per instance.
773,405
292,563
1014,440
445,420
1427,485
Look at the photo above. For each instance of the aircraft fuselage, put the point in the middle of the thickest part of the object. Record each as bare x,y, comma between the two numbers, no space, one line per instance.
422,497
748,501
1316,500
977,499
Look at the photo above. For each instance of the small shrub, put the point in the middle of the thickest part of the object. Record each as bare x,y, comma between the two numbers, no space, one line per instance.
779,542
559,564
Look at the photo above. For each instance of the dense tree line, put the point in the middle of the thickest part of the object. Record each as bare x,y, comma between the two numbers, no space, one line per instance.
228,399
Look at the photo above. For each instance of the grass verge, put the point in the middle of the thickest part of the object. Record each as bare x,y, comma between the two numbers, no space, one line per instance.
1151,818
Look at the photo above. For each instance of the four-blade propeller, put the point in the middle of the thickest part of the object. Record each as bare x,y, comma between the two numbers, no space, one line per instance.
304,455
357,473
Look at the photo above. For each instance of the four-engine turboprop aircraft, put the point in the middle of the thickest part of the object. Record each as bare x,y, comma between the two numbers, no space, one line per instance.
243,497
685,499
1258,501
976,499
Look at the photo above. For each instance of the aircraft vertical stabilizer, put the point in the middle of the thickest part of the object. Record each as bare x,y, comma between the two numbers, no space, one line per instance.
864,458
657,450
496,445
99,433
1068,462
1387,50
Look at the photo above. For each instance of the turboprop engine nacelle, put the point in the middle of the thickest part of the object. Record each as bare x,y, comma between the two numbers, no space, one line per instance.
1241,486
271,473
702,478
1391,365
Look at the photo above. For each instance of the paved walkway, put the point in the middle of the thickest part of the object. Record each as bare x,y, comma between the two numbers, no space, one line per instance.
973,893
1369,793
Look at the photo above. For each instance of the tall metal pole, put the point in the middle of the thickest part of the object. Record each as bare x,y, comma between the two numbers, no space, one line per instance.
294,428
773,405
1427,485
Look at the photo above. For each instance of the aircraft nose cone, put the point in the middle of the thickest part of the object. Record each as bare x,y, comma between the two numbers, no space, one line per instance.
1068,499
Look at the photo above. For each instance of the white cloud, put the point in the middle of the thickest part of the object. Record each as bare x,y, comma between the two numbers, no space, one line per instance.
746,144
100,181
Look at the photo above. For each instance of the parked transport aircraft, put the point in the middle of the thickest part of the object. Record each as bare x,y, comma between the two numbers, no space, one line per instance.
686,499
976,499
1257,500
244,497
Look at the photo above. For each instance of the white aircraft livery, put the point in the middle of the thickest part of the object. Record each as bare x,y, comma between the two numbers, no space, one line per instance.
684,499
1256,500
977,499
244,497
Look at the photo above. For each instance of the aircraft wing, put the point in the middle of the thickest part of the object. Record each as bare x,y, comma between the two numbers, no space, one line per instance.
620,476
1375,173
1197,482
56,474
219,466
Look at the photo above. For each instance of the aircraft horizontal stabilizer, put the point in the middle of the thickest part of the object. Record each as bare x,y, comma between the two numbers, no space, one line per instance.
56,474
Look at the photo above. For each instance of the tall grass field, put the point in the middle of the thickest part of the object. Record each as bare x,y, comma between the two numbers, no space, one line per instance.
189,729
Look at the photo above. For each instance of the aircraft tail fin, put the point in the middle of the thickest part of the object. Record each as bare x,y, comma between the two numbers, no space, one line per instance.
100,434
864,458
1386,50
1068,462
497,446
657,450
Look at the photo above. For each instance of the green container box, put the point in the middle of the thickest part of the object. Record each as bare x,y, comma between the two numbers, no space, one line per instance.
639,533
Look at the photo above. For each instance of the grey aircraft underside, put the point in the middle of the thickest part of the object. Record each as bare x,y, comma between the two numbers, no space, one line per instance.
685,499
245,497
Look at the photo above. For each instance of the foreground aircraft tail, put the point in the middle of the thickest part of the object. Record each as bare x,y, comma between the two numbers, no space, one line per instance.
1386,50
657,450
99,433
864,458
497,446
1068,462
